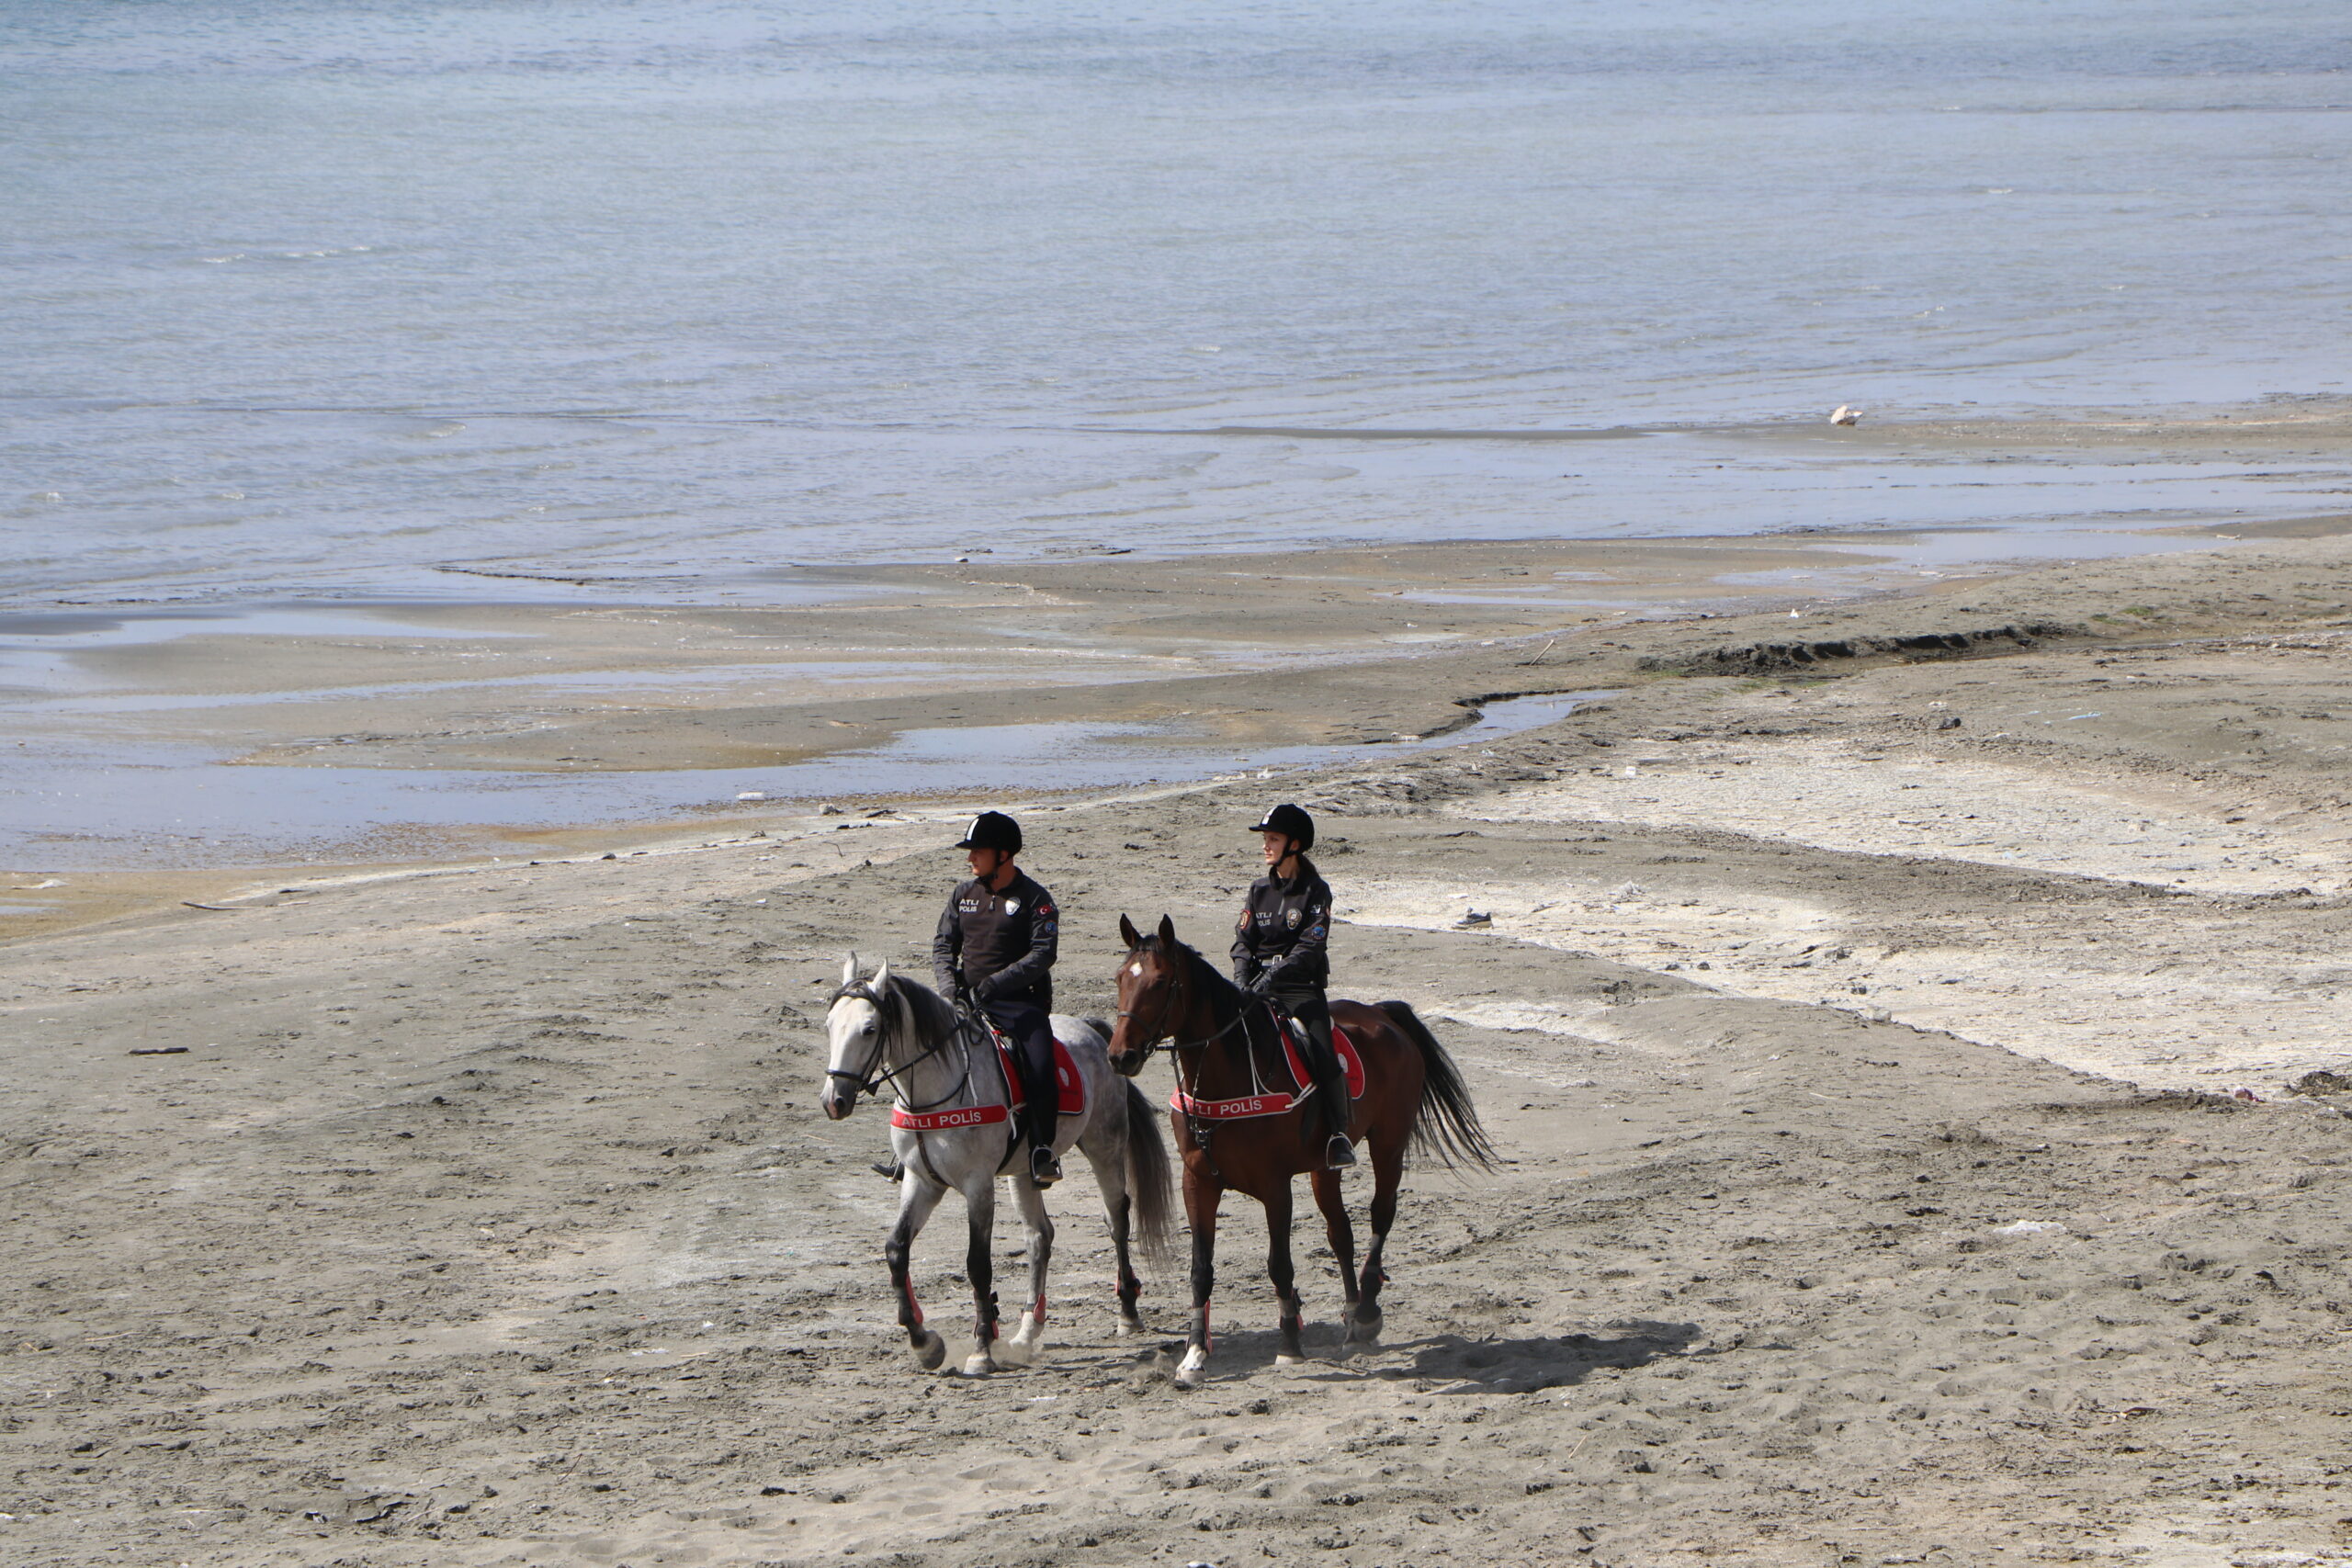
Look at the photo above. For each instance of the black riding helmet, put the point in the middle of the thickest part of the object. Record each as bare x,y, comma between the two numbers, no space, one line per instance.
1291,822
992,830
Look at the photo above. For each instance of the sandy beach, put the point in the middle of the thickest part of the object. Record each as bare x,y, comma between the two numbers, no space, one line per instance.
1801,558
1861,997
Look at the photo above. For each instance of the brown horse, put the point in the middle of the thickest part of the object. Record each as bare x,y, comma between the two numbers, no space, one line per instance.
1243,1121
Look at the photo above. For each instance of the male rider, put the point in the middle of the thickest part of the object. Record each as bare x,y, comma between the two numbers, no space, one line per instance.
1279,951
994,950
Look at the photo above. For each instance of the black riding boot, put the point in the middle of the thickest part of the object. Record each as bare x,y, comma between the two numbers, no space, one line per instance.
1331,1087
1043,1119
1031,1035
1044,1165
1331,1082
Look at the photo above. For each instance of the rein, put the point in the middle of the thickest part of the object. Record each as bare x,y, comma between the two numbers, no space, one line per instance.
1160,1028
875,1075
1176,1046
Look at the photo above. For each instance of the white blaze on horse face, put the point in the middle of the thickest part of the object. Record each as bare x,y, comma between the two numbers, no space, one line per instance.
1134,968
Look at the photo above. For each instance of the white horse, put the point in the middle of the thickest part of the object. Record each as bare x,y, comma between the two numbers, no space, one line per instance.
952,1127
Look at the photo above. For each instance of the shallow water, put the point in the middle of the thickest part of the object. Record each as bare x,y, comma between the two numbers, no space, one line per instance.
89,807
340,296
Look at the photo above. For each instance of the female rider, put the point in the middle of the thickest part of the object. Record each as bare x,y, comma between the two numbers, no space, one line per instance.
1279,951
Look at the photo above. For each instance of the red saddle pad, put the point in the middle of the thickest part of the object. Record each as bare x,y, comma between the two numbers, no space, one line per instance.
1067,1080
1351,1059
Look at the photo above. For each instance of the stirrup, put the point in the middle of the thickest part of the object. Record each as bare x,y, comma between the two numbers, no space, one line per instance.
1044,1169
1339,1154
890,1171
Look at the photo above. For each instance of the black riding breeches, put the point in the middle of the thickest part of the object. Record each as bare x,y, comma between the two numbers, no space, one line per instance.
1031,1033
1305,1003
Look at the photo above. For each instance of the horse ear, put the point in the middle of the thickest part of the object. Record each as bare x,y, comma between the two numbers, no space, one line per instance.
882,976
1127,930
1167,932
849,969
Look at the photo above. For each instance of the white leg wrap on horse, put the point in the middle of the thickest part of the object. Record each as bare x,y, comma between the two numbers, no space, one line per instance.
1031,1334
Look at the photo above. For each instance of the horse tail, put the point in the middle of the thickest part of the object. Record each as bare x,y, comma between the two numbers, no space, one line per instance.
1149,1179
1445,1127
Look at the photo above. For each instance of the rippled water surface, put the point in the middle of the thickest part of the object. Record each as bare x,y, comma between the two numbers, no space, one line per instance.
368,296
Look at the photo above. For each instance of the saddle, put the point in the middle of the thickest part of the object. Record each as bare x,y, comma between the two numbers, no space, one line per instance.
1276,1101
1070,1088
1070,1085
1294,1049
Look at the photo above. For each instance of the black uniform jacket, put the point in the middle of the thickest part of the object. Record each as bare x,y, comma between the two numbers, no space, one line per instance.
1283,928
1002,943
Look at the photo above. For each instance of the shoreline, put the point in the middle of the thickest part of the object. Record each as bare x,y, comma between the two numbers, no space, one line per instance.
1650,700
1353,651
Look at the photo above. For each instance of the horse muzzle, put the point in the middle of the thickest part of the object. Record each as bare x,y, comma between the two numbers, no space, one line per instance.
838,1101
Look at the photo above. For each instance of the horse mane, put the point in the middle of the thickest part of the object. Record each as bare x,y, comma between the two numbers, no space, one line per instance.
930,1011
1186,953
1199,967
922,1007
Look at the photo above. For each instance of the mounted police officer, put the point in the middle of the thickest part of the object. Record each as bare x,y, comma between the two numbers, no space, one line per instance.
1279,951
994,952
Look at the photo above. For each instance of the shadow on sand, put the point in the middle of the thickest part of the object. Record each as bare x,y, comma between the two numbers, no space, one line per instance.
1455,1363
1459,1365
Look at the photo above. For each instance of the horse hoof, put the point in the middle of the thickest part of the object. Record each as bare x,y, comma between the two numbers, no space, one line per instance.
1196,1364
1128,1328
1363,1331
979,1365
1287,1359
930,1350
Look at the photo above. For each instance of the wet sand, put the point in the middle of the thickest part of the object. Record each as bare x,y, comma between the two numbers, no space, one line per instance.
1859,1001
375,734
383,733
361,735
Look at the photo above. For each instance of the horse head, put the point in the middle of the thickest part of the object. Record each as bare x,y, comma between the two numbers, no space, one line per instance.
1150,993
858,1027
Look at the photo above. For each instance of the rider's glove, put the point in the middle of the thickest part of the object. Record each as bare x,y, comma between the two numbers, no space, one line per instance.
1262,981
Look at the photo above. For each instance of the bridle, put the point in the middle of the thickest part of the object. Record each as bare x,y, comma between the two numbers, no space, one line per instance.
1188,1083
867,1080
1167,1010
